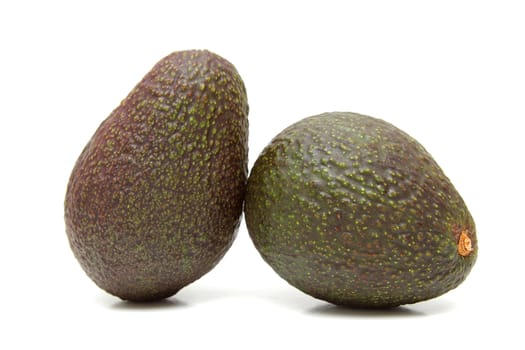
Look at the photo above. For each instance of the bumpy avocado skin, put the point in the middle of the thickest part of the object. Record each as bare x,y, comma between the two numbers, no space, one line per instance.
155,198
352,210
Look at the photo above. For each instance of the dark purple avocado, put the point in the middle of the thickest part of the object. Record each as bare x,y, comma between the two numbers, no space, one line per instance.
154,200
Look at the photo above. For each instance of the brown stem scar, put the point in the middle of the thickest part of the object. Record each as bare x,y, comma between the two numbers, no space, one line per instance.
465,244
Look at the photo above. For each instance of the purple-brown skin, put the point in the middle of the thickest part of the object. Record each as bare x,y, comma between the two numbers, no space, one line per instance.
352,210
154,200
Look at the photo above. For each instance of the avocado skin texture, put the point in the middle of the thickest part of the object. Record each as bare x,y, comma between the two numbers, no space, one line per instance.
154,200
352,210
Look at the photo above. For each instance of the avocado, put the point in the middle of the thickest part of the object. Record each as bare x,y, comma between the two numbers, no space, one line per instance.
351,210
155,198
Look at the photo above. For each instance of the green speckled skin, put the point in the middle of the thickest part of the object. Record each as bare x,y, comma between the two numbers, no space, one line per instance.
154,200
352,210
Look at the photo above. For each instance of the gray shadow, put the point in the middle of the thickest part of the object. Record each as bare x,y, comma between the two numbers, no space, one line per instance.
329,310
425,308
163,304
115,303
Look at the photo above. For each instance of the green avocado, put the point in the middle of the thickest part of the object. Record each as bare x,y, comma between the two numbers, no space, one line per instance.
155,198
352,210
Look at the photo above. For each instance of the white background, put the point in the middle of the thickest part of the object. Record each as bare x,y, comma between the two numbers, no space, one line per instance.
450,73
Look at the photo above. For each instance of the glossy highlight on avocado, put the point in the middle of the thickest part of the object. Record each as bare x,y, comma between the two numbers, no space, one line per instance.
155,198
352,210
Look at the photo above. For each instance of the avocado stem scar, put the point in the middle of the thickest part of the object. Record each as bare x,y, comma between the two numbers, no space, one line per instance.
465,244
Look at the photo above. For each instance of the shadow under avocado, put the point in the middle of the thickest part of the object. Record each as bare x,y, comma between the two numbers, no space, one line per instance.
150,305
115,303
344,311
426,308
